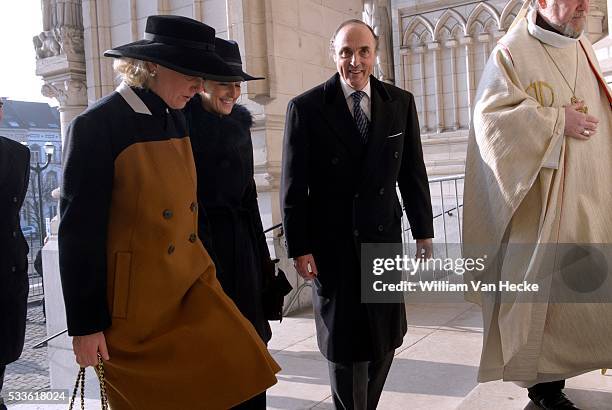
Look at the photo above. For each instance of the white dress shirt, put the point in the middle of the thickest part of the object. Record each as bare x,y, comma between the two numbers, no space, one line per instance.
365,101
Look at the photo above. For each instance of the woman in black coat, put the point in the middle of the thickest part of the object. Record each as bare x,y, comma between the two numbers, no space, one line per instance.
229,221
14,178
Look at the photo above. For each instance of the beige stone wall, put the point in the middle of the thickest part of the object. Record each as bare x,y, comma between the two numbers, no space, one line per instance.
603,48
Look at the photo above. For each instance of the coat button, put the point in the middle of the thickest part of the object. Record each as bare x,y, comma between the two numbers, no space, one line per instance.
381,191
15,199
357,195
167,214
13,268
356,232
335,161
171,249
193,237
14,234
193,207
396,155
381,228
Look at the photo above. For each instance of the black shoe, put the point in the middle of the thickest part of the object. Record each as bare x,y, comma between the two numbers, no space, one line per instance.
555,400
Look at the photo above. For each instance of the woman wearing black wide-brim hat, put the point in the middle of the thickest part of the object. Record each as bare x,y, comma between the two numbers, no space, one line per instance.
230,223
139,287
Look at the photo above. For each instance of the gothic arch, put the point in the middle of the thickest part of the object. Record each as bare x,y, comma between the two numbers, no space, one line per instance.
510,11
481,8
414,24
457,31
448,15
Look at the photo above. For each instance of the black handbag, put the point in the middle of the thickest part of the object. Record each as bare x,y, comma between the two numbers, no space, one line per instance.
276,288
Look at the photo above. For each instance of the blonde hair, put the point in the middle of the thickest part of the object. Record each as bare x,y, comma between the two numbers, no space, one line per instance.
133,72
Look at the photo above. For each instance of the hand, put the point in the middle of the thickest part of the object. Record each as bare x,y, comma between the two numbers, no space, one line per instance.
86,349
577,124
302,263
424,248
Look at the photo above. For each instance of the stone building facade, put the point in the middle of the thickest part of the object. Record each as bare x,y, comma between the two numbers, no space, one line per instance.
36,124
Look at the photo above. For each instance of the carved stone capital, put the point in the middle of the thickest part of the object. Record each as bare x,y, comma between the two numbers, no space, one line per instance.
62,40
71,40
67,92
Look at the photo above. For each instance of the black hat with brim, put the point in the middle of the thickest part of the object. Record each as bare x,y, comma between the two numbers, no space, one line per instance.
229,51
180,44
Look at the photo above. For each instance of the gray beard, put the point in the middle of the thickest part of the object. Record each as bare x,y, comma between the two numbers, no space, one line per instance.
566,30
570,32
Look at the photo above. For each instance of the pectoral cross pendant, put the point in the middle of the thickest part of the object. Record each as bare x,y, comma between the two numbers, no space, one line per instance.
584,109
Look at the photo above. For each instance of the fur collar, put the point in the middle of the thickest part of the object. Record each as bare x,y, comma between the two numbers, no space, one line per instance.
242,115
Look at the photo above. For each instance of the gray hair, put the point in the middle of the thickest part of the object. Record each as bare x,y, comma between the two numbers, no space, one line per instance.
332,46
133,72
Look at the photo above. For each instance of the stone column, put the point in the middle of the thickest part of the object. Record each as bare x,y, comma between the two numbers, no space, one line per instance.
376,14
424,114
437,66
469,75
405,69
60,61
452,45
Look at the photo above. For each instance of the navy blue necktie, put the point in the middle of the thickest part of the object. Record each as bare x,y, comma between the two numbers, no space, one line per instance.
362,122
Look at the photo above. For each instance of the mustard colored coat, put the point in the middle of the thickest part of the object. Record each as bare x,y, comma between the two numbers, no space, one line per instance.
132,265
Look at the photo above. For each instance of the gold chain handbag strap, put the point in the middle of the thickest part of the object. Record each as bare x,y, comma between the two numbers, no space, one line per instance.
80,385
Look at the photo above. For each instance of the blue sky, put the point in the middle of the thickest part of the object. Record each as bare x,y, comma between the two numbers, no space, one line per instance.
20,20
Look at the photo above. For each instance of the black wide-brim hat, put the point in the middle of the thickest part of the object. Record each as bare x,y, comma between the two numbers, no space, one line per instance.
229,51
180,44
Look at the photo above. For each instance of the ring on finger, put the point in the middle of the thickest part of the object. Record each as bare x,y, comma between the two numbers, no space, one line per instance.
586,133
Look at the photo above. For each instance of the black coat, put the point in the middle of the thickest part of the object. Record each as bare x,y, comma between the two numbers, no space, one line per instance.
14,178
338,193
229,220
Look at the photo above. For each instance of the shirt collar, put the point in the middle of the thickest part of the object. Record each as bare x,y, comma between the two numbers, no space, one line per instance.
348,90
154,103
548,37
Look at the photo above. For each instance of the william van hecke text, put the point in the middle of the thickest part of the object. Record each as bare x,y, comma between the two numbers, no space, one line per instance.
445,286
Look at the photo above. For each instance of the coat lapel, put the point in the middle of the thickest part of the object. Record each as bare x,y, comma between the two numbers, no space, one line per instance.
338,116
383,112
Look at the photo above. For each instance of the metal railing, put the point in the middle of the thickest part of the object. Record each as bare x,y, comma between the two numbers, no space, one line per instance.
35,278
447,204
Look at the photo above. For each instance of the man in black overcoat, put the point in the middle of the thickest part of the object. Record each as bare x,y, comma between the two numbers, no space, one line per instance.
348,142
14,178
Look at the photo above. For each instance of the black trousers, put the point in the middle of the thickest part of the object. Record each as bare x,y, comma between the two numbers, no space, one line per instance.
256,403
358,385
542,389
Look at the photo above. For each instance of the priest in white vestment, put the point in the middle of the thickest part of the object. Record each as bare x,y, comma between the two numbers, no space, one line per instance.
538,174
